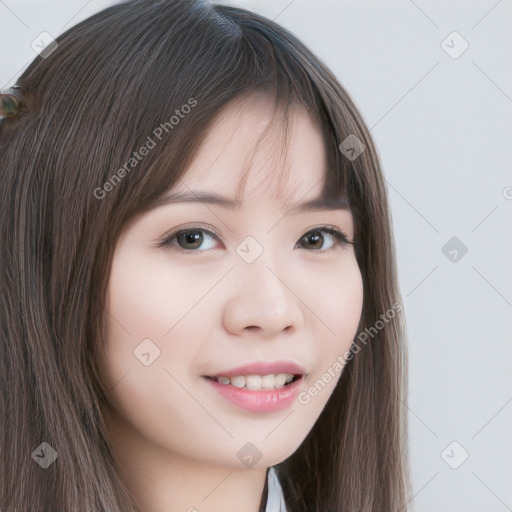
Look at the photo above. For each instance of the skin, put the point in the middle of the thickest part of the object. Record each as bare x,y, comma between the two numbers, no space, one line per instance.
174,439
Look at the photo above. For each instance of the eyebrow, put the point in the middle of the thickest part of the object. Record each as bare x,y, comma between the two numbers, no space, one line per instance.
319,203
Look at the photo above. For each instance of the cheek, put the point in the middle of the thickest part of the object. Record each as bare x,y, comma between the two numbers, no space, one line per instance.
148,298
147,305
152,300
337,304
336,301
137,310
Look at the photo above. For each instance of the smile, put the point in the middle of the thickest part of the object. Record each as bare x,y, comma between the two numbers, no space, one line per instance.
254,392
258,382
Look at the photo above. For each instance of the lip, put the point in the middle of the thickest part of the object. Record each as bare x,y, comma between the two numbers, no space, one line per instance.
263,368
271,400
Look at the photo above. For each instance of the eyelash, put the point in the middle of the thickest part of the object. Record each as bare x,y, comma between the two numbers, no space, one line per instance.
340,238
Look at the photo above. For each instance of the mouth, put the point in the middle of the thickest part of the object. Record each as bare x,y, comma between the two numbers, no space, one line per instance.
266,382
258,393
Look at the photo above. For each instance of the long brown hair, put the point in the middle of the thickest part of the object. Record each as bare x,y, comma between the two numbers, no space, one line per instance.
86,107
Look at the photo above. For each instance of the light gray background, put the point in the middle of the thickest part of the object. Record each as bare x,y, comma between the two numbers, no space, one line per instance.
443,128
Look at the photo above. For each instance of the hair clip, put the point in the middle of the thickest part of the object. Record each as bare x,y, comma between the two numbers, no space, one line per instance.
10,102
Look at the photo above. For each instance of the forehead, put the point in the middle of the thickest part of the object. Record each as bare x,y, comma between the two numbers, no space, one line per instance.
251,153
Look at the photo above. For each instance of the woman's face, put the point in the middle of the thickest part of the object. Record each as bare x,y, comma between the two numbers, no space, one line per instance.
255,284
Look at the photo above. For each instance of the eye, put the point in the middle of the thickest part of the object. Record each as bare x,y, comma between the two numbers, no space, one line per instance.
191,239
315,237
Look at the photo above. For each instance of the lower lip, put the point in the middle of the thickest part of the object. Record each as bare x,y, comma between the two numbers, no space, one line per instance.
270,400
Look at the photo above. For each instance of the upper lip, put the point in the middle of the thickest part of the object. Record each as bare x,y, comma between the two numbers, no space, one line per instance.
263,368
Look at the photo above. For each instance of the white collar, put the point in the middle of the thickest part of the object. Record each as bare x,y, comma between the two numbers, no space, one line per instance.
275,498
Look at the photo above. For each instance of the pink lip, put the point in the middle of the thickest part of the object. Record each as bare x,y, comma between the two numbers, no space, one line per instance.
263,368
259,401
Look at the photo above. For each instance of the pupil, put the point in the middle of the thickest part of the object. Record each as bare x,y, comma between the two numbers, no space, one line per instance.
191,237
316,237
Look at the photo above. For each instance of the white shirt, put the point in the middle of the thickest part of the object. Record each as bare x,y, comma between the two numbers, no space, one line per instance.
275,498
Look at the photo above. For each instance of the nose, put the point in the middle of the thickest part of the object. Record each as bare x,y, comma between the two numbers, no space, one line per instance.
262,300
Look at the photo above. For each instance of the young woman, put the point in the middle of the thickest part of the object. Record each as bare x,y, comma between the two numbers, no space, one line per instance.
199,302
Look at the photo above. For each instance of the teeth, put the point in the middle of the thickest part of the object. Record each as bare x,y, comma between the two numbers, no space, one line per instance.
257,382
267,381
253,382
238,381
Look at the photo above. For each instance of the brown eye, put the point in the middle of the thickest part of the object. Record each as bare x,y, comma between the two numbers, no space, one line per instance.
189,240
316,239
